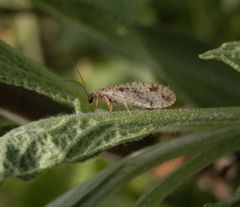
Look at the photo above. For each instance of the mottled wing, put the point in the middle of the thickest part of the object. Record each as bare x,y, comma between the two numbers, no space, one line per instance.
141,94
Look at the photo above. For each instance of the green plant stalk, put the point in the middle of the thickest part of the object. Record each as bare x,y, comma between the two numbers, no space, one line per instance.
155,194
114,177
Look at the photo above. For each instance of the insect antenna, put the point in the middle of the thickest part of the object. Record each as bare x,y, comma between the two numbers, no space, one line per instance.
83,85
79,84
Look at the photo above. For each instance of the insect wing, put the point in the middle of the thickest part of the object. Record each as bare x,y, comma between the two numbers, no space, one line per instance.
144,95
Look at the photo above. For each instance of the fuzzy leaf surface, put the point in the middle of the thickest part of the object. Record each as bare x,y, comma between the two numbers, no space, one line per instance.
29,149
17,70
114,177
228,53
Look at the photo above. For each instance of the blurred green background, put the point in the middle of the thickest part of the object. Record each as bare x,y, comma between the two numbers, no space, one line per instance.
45,36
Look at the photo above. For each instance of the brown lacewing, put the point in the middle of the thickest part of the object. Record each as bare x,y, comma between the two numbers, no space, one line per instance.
140,94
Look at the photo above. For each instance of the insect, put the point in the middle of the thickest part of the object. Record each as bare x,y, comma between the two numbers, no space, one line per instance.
140,94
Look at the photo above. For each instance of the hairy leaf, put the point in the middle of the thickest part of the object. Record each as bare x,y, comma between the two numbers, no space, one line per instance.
17,70
114,177
228,53
27,150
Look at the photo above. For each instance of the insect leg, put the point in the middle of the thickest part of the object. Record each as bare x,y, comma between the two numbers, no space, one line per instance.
125,105
109,104
96,103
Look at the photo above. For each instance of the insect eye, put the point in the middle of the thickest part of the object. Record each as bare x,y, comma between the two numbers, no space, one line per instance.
90,99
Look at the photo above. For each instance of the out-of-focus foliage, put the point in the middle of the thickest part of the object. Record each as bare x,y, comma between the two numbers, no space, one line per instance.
234,201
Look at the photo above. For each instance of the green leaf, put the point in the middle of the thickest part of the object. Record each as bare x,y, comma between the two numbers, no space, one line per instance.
156,193
228,53
232,202
29,149
17,70
114,177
